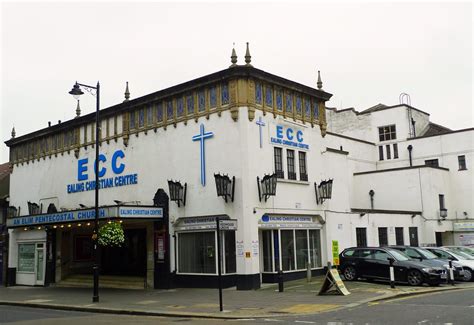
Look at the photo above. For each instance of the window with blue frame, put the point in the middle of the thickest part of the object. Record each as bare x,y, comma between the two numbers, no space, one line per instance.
268,96
307,108
169,110
159,112
258,93
132,120
299,105
201,101
315,110
141,118
190,104
213,97
224,94
180,107
279,100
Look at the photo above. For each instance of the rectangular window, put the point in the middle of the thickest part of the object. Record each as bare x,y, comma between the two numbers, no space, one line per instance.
315,247
141,118
279,162
399,236
302,163
149,114
389,154
380,152
462,162
383,236
197,252
287,250
159,113
395,151
361,236
26,257
290,159
432,162
132,120
387,133
301,249
267,250
229,251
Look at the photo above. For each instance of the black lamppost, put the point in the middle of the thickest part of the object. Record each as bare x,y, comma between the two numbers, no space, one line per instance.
76,92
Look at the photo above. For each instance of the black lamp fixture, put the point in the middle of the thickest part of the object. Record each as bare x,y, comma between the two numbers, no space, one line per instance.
76,92
225,186
177,192
323,191
267,186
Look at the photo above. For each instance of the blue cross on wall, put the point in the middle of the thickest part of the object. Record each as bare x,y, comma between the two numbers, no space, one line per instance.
201,137
260,124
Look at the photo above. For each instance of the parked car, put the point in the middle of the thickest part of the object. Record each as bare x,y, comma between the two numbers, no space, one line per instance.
373,263
463,259
464,249
427,257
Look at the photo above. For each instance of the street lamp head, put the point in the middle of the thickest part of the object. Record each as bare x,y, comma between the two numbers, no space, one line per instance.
76,91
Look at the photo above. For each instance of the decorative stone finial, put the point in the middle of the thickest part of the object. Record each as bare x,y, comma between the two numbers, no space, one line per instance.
13,132
248,58
127,93
78,109
233,57
320,83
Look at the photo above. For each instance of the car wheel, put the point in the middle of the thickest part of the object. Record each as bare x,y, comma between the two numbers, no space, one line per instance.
414,278
467,275
350,273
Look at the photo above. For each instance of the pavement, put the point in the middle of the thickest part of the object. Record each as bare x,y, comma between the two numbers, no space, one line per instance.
300,297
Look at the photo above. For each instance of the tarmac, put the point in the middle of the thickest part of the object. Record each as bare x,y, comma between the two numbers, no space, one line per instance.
299,297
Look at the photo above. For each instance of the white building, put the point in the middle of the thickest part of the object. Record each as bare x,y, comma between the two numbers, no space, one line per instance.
245,123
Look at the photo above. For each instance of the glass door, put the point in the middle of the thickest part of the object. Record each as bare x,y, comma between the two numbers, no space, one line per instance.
39,264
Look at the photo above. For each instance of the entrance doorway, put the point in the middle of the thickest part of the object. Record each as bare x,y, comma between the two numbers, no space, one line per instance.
130,259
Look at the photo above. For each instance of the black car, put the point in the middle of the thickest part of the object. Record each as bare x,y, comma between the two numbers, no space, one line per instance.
428,258
373,263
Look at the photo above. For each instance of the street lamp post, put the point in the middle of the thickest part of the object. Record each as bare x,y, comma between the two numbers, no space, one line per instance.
76,92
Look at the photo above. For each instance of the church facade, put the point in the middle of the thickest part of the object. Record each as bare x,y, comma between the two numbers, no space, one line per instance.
245,124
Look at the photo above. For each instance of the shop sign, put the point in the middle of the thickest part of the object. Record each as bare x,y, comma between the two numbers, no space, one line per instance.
335,252
116,166
228,224
287,221
140,212
197,223
289,136
463,226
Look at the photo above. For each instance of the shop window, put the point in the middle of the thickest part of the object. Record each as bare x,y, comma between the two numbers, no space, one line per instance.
432,162
197,252
302,162
387,133
301,249
395,151
383,236
278,162
287,250
315,247
229,252
399,240
26,258
361,237
462,162
290,159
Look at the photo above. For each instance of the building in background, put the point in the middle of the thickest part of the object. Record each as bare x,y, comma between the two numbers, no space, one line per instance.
245,123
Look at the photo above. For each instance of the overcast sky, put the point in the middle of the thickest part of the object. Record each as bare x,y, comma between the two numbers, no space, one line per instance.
367,52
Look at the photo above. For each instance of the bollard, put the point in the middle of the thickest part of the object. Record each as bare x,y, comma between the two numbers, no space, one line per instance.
280,280
308,271
392,273
451,272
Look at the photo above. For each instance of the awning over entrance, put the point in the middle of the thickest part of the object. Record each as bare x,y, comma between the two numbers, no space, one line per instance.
205,223
270,221
107,212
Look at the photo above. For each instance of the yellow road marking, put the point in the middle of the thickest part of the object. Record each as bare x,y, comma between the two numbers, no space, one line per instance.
309,308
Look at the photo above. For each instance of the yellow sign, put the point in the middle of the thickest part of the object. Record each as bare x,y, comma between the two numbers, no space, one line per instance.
333,282
335,252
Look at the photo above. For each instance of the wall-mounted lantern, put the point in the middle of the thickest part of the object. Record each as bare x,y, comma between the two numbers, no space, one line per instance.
225,186
33,208
267,186
177,192
371,194
323,191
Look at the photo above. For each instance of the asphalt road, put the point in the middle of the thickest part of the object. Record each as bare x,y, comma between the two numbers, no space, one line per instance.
452,307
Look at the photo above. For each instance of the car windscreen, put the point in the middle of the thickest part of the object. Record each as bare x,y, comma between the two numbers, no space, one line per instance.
461,255
426,254
399,256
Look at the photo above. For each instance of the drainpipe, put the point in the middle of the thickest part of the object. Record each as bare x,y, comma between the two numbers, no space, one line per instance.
410,148
371,193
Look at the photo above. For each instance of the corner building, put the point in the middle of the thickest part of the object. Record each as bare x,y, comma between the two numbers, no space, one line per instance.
241,122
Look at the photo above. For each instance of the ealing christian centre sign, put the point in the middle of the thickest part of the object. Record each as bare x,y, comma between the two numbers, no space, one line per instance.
288,136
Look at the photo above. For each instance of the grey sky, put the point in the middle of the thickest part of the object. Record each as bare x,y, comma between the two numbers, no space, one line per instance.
367,53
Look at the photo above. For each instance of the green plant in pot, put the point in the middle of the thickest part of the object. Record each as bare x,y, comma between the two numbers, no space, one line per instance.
111,234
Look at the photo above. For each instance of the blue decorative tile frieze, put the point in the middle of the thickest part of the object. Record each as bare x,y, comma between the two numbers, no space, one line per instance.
315,110
149,114
180,106
307,108
190,104
268,96
201,101
169,110
299,105
213,97
225,94
289,103
159,112
279,100
258,93
132,120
